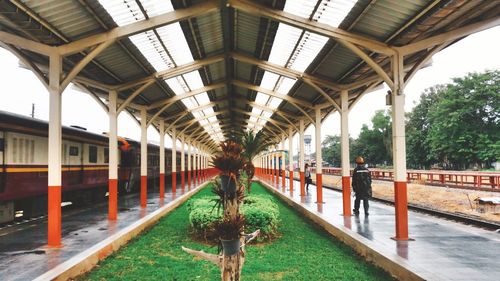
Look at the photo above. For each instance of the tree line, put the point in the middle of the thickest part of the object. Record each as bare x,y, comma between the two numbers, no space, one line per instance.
454,126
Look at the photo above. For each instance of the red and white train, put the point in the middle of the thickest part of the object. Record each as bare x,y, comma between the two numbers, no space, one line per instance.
24,170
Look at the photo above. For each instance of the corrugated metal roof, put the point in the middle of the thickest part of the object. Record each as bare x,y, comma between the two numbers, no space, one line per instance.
396,21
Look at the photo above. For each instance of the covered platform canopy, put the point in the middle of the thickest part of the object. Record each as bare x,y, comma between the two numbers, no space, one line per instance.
207,70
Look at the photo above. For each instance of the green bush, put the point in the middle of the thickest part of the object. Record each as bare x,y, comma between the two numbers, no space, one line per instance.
260,211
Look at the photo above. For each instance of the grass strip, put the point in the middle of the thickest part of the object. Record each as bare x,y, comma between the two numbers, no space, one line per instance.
304,252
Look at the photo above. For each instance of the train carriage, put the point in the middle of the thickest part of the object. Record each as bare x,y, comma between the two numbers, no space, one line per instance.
84,158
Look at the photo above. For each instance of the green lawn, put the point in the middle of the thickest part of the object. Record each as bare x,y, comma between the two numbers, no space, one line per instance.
304,252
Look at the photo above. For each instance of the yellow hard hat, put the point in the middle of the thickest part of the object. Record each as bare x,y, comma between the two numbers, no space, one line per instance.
360,160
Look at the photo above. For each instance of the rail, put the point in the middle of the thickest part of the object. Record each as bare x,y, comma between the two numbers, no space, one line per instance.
467,179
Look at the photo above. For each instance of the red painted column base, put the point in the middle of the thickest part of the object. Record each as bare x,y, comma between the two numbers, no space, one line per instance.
112,199
183,181
144,191
290,177
346,195
302,184
189,178
174,182
162,185
401,206
283,181
54,216
319,188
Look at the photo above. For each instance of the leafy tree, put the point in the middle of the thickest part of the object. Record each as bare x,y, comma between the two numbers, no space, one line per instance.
465,122
375,144
330,150
252,144
417,129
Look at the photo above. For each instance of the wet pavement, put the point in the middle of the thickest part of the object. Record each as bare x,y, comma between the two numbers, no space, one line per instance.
23,251
439,249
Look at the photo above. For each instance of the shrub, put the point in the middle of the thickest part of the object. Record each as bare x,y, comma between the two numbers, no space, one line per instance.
260,212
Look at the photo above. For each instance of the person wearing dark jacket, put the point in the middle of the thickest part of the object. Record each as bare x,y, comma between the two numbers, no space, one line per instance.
361,185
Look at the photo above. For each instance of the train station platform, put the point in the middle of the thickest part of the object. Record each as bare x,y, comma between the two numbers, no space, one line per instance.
438,250
87,235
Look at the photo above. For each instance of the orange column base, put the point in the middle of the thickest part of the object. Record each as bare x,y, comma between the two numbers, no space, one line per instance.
112,199
283,181
319,188
174,182
144,191
162,185
302,184
290,177
401,206
54,216
346,195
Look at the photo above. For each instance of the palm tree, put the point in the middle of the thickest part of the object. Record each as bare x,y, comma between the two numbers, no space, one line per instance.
252,145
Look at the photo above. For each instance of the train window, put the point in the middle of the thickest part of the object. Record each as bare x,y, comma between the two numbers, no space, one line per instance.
106,155
32,158
2,143
92,154
73,151
14,150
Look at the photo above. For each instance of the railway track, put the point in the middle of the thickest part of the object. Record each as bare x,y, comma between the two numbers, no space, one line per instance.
462,218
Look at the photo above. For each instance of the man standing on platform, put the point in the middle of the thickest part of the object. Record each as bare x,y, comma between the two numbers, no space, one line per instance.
361,185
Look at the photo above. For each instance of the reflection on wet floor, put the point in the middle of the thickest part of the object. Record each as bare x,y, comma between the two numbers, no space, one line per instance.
23,251
436,246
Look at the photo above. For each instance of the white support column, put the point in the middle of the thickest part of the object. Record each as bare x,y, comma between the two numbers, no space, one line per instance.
189,166
319,158
283,162
54,156
290,158
399,149
162,159
301,158
344,140
113,157
144,157
195,165
174,160
183,158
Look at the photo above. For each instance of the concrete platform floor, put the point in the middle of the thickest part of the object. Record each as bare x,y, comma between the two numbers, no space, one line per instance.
441,249
23,252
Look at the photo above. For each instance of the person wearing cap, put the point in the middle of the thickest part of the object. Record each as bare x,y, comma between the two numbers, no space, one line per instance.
361,185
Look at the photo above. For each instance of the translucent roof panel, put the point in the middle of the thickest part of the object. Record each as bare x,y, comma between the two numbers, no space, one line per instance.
261,98
256,111
202,98
253,119
334,12
269,80
284,43
285,84
301,8
266,114
177,85
193,79
173,38
307,49
274,102
149,45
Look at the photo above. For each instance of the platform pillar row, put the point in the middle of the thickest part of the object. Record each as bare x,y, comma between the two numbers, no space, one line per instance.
344,154
301,158
144,158
162,159
174,161
113,157
399,149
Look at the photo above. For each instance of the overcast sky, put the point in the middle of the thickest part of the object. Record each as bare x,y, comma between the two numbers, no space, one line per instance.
20,89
